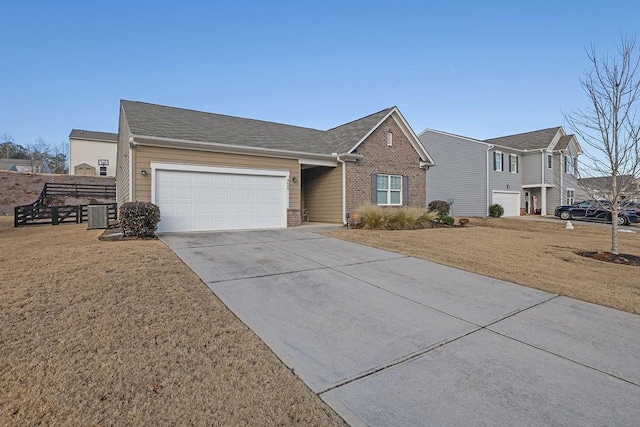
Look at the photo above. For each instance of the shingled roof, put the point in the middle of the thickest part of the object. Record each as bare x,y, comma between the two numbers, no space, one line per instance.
93,135
151,120
563,142
535,140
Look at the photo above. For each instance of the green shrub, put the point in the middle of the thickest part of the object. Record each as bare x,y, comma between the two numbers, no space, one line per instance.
139,219
439,206
496,211
447,220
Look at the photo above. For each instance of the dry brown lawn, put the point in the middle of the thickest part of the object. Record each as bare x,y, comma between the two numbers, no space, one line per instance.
540,255
124,333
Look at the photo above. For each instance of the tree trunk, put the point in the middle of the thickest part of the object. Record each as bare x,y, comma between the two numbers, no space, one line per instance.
614,231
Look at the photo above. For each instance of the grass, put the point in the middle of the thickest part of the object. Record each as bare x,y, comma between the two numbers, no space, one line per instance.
124,333
539,255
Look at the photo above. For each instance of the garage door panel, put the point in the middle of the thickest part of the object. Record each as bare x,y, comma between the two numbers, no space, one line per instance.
184,209
509,201
202,193
202,209
192,201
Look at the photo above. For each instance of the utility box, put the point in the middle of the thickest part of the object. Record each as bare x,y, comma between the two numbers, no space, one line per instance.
97,217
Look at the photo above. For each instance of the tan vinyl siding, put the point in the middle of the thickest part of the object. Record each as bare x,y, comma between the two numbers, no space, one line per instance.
323,193
122,161
144,155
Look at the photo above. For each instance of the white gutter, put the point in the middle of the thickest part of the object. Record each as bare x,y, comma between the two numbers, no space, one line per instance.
542,154
155,141
488,169
344,188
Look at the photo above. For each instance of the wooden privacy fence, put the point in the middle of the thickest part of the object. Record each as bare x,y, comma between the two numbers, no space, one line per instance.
79,190
40,213
54,215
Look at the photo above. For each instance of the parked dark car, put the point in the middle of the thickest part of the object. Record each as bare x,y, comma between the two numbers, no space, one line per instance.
592,210
631,206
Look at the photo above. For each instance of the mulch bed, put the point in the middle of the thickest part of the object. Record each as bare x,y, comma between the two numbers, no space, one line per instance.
625,259
115,233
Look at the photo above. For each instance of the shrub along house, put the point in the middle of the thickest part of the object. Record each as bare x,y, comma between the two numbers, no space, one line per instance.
531,172
214,172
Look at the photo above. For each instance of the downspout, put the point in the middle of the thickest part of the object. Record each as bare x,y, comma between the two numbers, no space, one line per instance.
344,188
132,143
543,189
561,169
488,169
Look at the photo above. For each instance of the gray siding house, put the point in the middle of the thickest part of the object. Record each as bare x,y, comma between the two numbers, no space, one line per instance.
525,173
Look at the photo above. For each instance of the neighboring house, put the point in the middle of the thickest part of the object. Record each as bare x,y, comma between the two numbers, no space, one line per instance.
214,172
92,153
525,173
599,187
24,165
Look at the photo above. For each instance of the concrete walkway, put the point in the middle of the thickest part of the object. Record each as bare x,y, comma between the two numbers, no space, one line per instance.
387,339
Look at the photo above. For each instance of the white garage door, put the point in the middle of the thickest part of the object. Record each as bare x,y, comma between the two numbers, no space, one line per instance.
204,200
509,200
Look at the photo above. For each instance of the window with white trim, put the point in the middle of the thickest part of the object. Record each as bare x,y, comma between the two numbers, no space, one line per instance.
389,190
569,164
497,161
549,161
513,163
103,171
571,196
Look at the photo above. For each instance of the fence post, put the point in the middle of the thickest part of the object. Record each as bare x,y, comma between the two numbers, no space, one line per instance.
15,216
79,214
54,215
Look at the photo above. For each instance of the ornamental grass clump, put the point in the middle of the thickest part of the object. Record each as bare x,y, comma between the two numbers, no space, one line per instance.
374,217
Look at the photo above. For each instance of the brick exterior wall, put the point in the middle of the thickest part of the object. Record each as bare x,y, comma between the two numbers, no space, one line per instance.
399,159
294,217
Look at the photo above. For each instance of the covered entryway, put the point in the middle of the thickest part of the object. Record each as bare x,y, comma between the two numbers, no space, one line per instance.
202,198
509,200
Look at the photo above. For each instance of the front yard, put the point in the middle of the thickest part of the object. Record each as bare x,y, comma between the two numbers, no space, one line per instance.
540,255
122,333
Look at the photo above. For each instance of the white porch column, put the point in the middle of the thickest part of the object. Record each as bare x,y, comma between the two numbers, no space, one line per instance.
543,201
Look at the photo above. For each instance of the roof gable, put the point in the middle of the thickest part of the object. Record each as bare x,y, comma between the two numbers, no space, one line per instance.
566,141
345,138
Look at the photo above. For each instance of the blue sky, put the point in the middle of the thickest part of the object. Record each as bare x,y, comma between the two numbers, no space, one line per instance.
476,68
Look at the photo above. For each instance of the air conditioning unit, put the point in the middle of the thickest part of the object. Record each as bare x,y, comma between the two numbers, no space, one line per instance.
97,217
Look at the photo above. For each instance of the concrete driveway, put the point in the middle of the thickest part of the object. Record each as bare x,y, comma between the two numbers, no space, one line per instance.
387,339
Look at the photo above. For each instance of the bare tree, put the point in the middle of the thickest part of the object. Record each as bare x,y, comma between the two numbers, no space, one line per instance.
58,159
7,142
610,128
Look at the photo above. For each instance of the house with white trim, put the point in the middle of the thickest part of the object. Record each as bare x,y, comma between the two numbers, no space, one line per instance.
527,173
209,171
